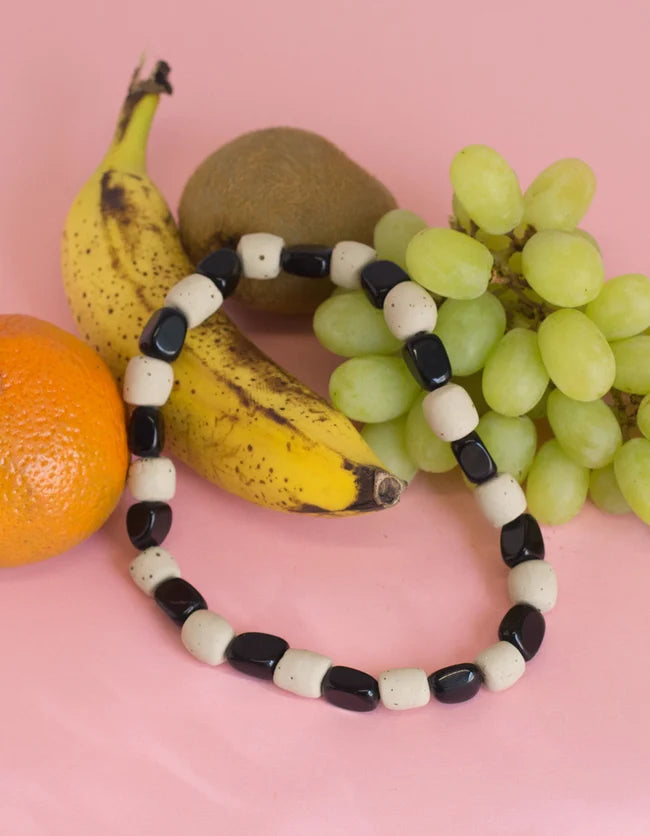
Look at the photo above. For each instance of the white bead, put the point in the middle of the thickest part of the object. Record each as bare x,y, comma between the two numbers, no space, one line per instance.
501,665
533,582
301,672
409,310
207,635
260,255
153,566
348,260
147,381
402,688
152,480
501,499
196,297
450,412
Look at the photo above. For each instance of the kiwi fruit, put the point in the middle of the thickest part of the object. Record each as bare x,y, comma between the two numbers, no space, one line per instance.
288,181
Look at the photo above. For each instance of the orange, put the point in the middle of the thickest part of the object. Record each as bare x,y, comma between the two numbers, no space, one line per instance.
63,448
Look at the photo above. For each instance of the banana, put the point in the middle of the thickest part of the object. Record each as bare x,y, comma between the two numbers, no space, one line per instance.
234,416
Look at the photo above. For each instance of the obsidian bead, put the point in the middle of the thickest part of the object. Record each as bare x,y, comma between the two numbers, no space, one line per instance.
427,360
256,654
523,626
148,523
379,277
163,336
456,683
178,599
521,540
223,267
350,688
146,432
309,260
473,457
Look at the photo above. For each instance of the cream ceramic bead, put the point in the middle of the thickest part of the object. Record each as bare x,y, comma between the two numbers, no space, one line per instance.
206,636
402,688
260,254
533,582
450,412
147,381
152,479
348,260
196,297
301,672
409,310
501,499
501,665
151,567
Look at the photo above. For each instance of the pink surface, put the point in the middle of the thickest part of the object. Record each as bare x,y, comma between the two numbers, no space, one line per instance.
109,727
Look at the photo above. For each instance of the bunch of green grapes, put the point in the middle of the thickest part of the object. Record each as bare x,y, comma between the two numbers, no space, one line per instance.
556,359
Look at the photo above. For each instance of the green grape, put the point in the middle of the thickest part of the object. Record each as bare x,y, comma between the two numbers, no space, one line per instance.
470,328
539,410
373,389
388,441
349,325
622,308
460,213
605,493
393,233
588,237
643,417
632,468
449,263
557,487
565,269
514,262
495,243
514,378
511,441
560,195
488,188
576,355
632,364
473,385
587,432
423,446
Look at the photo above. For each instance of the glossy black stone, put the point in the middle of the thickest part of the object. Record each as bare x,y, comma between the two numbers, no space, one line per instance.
146,432
163,336
309,260
523,626
521,540
473,457
350,688
379,277
178,599
256,654
148,523
455,683
223,267
427,360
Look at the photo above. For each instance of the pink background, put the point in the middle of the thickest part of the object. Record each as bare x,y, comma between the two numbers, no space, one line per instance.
108,726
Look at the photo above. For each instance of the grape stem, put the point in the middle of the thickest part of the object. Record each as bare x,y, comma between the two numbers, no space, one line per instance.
625,407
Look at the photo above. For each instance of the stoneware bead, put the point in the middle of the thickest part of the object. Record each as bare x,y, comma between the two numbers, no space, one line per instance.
501,665
147,381
501,499
206,636
151,567
196,297
533,582
450,412
409,310
348,260
152,480
260,255
301,672
402,688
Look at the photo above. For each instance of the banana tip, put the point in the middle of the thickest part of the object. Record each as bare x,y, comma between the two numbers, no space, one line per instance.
387,489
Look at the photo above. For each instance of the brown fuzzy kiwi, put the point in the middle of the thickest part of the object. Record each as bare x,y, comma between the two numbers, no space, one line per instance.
287,181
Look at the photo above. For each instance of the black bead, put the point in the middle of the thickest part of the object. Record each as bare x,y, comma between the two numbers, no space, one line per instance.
309,260
148,523
178,599
379,277
523,626
256,654
427,360
455,683
473,457
164,334
521,540
146,432
223,267
350,688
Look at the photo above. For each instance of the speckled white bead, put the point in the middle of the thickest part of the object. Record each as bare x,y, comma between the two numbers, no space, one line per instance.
196,297
147,381
450,412
260,254
206,636
533,582
152,479
501,499
348,260
301,672
151,567
501,665
409,310
402,688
